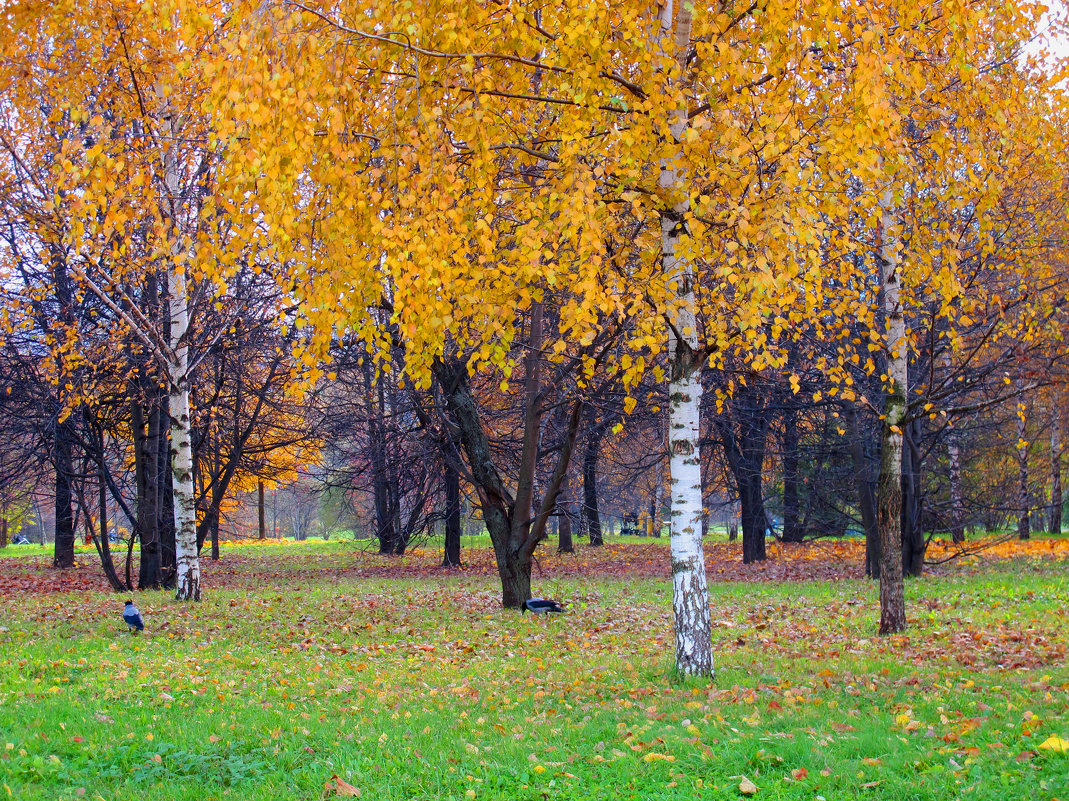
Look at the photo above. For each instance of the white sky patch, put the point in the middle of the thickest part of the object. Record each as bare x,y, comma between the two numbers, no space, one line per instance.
1053,41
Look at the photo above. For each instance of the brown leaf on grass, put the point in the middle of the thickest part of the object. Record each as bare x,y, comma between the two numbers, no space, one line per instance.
747,787
336,786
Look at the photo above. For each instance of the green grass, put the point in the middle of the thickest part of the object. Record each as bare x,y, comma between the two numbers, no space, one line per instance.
423,688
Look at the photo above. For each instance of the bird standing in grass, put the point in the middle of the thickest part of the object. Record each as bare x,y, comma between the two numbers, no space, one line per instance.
133,617
541,606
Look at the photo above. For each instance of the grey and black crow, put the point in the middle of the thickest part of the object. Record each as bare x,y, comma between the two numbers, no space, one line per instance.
133,617
541,606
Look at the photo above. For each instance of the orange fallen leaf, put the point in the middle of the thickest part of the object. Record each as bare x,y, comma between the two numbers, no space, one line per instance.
337,786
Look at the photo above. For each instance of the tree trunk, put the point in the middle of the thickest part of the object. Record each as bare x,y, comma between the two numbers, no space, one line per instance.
103,544
514,529
690,592
564,520
165,473
215,538
889,487
1024,523
451,555
145,440
865,492
743,437
655,510
590,490
385,519
64,465
957,506
913,542
261,512
1056,472
754,520
792,523
187,559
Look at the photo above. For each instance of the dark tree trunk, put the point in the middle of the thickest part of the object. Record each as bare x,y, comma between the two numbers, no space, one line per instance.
743,436
754,520
261,511
64,464
401,532
103,545
792,523
590,489
3,530
168,545
147,440
913,542
515,529
451,556
385,517
564,520
215,537
866,493
1056,476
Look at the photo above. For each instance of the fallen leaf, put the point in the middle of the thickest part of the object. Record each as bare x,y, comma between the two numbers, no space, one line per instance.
655,756
339,787
747,787
799,774
1056,744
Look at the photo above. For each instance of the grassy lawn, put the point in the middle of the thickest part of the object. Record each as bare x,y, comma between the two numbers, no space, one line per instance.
407,682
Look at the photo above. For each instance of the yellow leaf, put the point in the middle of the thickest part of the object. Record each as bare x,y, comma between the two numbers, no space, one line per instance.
654,756
747,787
1056,744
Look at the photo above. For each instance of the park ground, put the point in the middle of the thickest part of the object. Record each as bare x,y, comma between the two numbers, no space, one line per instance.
319,670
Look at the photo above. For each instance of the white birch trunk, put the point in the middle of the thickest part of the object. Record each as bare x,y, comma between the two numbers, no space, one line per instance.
690,592
185,517
889,491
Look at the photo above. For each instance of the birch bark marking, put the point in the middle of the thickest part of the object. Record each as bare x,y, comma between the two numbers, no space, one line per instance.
690,593
889,488
187,560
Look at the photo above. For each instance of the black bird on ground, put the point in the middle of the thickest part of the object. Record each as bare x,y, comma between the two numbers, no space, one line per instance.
133,617
541,606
